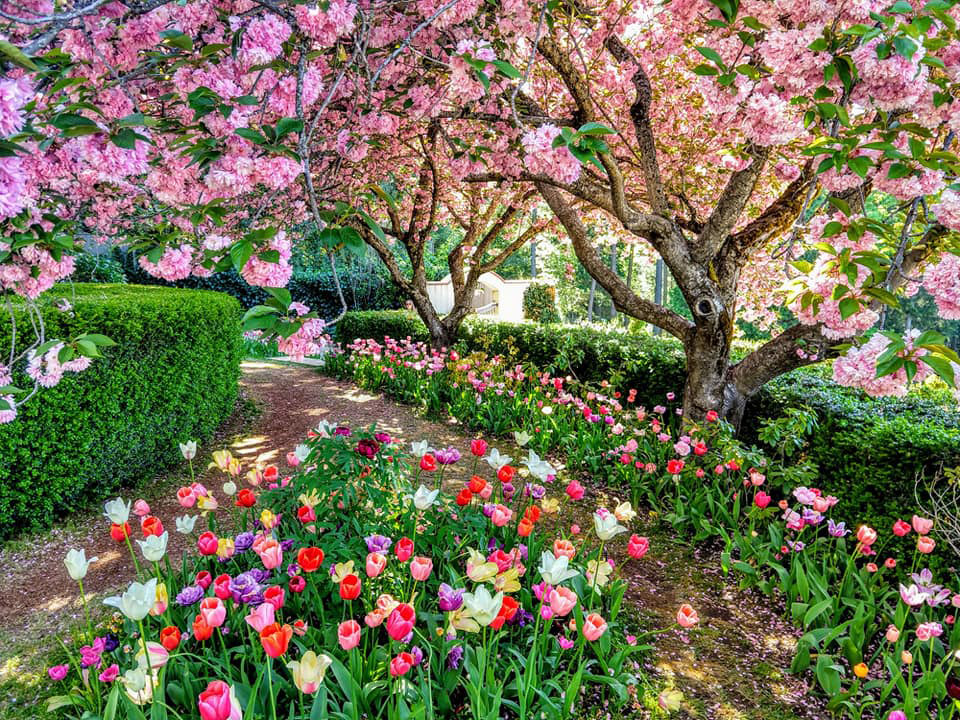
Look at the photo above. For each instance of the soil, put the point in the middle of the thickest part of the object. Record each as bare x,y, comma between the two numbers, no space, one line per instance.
730,667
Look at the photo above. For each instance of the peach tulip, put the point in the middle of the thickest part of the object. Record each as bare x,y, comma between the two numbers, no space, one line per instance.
375,564
925,544
593,627
687,617
420,568
923,526
562,601
348,634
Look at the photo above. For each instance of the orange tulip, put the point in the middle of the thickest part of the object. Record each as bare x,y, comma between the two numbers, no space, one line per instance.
120,532
350,587
275,639
309,559
170,637
201,630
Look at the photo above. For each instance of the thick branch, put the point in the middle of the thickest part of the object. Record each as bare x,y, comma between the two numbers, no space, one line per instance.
623,297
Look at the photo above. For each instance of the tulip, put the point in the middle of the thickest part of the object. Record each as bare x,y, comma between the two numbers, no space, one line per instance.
420,568
271,554
186,497
229,488
246,498
219,702
309,671
141,508
761,499
506,474
188,449
925,544
482,606
424,499
350,587
555,570
606,526
428,463
861,670
58,672
348,634
403,549
137,601
213,611
450,599
262,616
221,586
401,664
274,595
564,548
154,547
866,535
575,490
203,579
158,656
310,559
275,639
923,526
637,546
900,528
478,447
77,564
186,523
624,512
906,657
476,484
297,584
170,637
672,700
201,631
120,533
562,601
110,674
400,622
375,564
151,525
117,511
687,617
508,610
208,543
593,627
501,515
892,634
464,497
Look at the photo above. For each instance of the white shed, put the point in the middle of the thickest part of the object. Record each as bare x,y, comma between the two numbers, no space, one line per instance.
495,298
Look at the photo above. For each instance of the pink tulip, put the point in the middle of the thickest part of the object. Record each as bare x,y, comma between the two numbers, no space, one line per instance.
866,535
264,615
208,543
218,702
687,617
893,634
111,673
922,525
575,490
637,546
401,621
292,459
140,508
348,633
271,554
187,497
375,564
501,515
401,664
593,627
761,499
925,544
562,601
420,568
373,619
900,528
213,611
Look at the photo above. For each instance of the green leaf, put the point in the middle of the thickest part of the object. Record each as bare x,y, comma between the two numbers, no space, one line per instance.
705,70
942,367
507,69
66,121
288,125
240,253
281,294
251,135
595,128
16,55
713,55
848,307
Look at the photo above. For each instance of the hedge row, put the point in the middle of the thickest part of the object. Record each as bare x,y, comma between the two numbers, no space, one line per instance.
869,451
172,376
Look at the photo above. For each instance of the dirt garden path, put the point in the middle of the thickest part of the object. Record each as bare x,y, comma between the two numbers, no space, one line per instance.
728,669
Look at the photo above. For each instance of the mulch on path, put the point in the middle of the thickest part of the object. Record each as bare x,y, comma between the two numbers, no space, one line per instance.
731,667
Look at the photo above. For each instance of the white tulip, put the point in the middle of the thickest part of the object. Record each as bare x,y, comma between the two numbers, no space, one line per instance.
482,606
77,564
137,601
424,499
607,526
229,488
117,511
302,452
154,547
496,460
188,449
186,523
521,437
419,449
555,570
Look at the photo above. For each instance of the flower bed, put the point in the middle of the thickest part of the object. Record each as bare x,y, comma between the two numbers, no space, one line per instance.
365,586
879,630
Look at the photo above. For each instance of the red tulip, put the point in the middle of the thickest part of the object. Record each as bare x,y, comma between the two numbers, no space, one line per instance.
246,498
428,463
221,586
350,587
120,532
505,474
151,525
478,447
309,559
170,637
275,596
403,549
401,664
464,497
201,630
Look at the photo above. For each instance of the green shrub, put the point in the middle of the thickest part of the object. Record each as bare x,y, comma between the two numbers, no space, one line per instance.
540,303
868,451
97,268
171,377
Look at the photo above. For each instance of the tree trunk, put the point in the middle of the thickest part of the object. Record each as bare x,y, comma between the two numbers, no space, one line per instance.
533,259
593,294
613,266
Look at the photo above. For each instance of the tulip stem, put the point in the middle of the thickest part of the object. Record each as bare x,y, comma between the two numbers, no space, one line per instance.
136,564
146,654
273,698
86,609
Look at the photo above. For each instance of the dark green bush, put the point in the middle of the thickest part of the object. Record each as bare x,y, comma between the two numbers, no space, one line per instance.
540,303
103,268
869,451
171,377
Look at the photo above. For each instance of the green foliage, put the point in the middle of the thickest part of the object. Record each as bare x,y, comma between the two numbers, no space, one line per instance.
540,304
97,268
171,377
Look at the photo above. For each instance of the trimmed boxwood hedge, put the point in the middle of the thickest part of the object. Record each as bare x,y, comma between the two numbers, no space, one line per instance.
172,376
869,451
